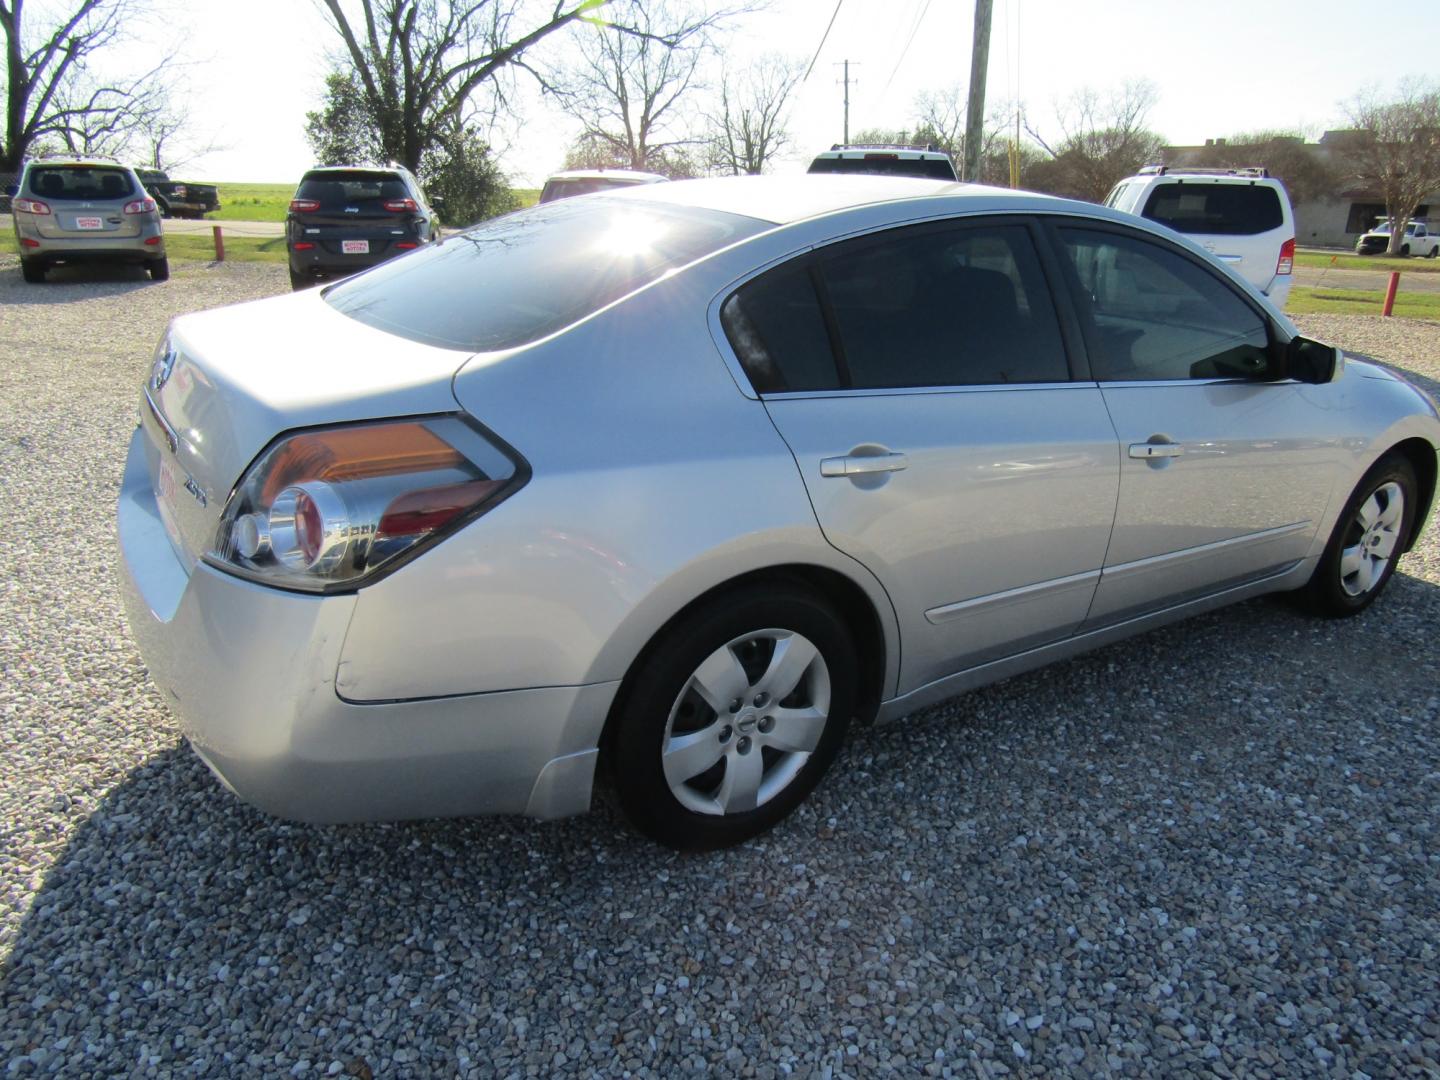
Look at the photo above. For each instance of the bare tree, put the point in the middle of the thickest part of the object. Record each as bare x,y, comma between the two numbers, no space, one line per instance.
1103,139
51,90
630,82
419,64
748,128
1399,157
940,119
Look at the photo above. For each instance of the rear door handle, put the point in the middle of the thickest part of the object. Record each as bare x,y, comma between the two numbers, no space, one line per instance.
862,465
1156,450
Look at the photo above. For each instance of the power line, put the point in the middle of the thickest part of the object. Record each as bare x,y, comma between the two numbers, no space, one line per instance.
908,42
823,39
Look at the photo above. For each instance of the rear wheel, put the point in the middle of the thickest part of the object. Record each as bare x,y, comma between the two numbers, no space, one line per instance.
33,271
733,717
1360,558
299,281
159,268
1433,252
1404,249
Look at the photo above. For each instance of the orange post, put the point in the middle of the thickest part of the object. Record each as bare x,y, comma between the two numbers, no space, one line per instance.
1390,291
220,245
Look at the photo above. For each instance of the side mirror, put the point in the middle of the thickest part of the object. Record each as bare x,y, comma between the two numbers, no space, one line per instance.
1310,361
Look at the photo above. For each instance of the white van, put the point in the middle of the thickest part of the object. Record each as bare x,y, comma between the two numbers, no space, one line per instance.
1241,216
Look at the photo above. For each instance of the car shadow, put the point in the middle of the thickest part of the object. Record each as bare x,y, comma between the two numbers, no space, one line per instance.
70,284
180,925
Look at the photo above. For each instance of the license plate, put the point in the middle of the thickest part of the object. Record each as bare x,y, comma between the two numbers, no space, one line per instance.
355,247
89,223
167,485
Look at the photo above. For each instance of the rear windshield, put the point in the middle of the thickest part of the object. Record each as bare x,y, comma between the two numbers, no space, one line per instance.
348,188
80,182
1217,209
581,185
882,164
517,278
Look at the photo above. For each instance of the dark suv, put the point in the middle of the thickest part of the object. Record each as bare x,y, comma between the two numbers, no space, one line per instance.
347,218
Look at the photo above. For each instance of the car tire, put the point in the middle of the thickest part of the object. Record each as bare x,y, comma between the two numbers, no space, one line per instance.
695,772
300,281
33,271
1365,546
159,268
1433,252
1405,250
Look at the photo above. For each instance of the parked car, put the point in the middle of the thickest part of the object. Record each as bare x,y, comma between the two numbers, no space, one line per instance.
1419,240
885,159
347,218
681,479
68,211
1241,216
564,185
179,199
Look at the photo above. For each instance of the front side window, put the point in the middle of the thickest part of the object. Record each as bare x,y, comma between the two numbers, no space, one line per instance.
1154,314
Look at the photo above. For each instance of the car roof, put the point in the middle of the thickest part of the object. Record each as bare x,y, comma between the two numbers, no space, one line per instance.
607,174
784,199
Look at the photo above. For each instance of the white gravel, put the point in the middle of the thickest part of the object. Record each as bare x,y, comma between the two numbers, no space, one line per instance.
1212,849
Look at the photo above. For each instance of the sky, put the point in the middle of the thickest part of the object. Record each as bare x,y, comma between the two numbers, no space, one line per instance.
1220,67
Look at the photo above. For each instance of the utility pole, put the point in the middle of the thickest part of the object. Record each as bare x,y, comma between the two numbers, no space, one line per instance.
846,65
975,113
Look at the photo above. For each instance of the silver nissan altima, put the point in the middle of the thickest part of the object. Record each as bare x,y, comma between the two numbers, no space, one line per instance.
681,480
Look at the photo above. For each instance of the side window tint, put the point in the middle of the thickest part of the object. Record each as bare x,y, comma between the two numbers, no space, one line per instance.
944,307
1157,315
776,329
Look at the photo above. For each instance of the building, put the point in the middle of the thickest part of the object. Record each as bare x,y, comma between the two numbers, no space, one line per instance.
1330,210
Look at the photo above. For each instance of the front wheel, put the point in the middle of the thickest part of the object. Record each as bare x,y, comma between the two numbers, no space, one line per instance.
1405,249
733,718
1360,558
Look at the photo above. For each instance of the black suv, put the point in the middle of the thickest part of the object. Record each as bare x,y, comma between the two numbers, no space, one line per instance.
347,218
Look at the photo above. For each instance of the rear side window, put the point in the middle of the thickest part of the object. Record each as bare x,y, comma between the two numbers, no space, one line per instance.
80,182
914,307
1217,209
349,188
1154,314
882,164
517,278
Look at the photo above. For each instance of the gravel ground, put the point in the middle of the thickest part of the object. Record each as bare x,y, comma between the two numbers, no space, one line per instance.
1211,849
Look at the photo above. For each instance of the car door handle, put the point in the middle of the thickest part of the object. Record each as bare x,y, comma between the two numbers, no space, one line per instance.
1156,450
862,464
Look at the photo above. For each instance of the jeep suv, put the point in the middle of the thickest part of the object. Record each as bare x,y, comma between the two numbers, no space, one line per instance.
1241,216
81,210
348,218
885,159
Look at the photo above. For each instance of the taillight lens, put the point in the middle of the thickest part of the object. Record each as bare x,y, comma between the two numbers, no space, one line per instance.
398,205
325,510
29,206
1286,264
140,206
304,206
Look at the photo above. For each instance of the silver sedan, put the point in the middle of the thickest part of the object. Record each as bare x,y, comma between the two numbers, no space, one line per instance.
679,481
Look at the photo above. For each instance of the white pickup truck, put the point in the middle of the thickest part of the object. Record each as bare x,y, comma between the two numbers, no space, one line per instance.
1419,240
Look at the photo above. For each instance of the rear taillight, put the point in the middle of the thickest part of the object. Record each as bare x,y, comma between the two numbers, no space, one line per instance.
140,206
304,206
325,510
399,205
29,206
1287,257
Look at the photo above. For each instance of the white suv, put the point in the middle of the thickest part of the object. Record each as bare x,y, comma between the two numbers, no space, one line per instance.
1241,216
885,159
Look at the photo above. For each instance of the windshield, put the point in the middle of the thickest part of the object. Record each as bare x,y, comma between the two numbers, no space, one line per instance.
333,190
883,164
1215,209
80,182
517,278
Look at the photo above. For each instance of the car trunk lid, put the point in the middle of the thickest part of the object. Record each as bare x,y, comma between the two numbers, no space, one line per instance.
235,378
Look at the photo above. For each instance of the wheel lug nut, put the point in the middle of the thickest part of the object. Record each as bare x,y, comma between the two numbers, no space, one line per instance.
736,705
744,744
760,700
766,723
726,732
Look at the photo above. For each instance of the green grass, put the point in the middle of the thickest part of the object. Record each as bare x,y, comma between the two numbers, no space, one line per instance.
202,248
253,202
1361,302
1320,261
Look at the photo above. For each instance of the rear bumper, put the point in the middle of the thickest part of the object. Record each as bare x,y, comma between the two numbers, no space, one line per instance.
102,248
1279,289
249,672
